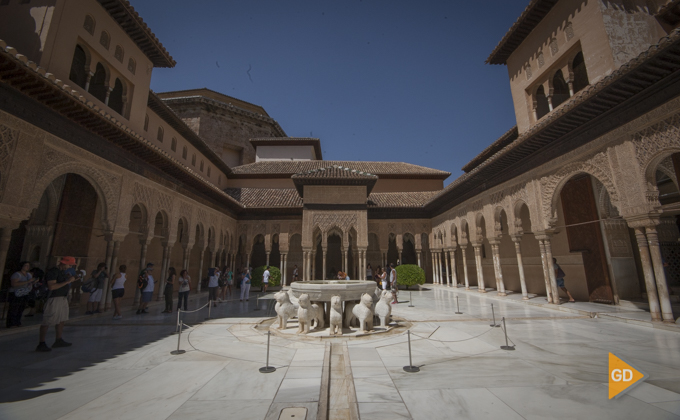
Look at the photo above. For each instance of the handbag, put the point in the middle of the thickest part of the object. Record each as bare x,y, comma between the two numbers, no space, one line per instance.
22,291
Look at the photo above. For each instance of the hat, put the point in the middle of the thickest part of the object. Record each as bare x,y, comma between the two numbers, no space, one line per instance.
67,261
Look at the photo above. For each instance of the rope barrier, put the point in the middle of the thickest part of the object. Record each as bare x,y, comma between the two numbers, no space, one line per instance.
195,310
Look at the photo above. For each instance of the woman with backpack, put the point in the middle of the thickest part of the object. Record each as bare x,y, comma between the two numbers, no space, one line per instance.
20,286
184,289
167,293
118,290
245,285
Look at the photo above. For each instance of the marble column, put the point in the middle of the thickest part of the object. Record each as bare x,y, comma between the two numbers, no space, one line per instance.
454,274
200,271
465,267
446,265
648,271
418,254
325,269
659,274
438,267
546,276
345,262
313,272
498,270
185,257
551,271
481,288
268,258
142,265
164,273
114,268
520,266
109,270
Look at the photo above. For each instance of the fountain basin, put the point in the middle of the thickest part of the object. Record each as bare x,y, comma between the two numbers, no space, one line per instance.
323,290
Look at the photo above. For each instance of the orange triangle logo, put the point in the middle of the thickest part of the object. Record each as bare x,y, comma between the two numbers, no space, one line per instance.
622,376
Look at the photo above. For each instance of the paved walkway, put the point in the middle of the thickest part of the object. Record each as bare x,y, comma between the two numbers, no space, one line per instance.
124,369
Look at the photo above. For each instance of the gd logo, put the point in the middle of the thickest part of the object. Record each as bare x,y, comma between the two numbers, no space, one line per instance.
622,376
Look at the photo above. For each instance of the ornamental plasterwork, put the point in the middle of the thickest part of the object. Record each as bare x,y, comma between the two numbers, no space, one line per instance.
408,227
144,195
374,228
276,229
52,158
294,228
662,135
8,141
186,210
326,221
666,166
259,229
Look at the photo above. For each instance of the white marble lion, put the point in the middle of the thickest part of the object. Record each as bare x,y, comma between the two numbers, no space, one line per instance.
383,309
305,314
293,299
336,316
284,309
362,311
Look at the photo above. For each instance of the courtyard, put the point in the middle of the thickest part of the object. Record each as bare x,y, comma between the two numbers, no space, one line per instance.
124,369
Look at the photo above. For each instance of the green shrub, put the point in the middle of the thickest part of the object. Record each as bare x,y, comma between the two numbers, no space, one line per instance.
410,275
274,278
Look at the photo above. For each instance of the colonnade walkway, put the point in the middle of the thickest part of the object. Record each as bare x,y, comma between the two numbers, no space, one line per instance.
125,370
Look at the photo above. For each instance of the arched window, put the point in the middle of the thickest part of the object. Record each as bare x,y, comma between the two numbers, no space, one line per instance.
78,74
159,135
184,152
173,144
560,89
105,40
132,65
541,103
118,53
146,122
580,74
208,171
193,159
201,166
89,24
116,97
98,83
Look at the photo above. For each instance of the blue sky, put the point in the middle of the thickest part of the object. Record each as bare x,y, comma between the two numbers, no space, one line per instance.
397,81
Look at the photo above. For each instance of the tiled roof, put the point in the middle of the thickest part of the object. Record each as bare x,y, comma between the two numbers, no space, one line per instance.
290,141
139,32
527,21
287,168
504,140
400,199
334,171
265,197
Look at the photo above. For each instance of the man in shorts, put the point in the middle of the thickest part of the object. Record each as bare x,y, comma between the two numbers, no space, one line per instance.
56,308
559,276
295,273
265,278
99,275
147,292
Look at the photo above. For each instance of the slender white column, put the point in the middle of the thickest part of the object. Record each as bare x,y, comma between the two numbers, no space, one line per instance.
465,268
498,270
546,276
481,288
284,271
454,274
660,274
520,267
551,271
113,266
446,266
325,270
648,271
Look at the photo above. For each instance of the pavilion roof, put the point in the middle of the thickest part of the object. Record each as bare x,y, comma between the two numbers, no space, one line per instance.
288,168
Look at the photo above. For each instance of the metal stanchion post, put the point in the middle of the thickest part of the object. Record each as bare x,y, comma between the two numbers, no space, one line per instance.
506,346
494,318
458,312
410,368
410,299
257,303
179,337
267,368
178,327
209,306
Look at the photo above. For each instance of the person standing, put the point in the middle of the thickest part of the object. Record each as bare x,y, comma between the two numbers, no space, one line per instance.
369,272
295,273
559,276
167,293
245,285
393,283
55,313
21,284
146,276
265,278
229,281
184,289
99,276
118,290
213,285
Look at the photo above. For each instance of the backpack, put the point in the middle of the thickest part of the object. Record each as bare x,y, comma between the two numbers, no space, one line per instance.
88,286
142,280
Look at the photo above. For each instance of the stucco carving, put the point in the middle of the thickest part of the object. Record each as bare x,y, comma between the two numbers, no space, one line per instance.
8,141
326,221
664,135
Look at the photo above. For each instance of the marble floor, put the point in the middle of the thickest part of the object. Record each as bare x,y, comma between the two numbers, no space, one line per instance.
124,369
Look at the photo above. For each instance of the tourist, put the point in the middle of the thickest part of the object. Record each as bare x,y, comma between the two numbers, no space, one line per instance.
21,284
118,290
265,278
99,276
393,283
559,276
228,282
369,272
245,285
295,273
184,289
167,293
147,286
59,280
36,299
378,277
224,283
213,284
384,278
